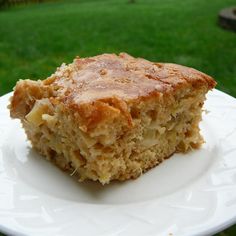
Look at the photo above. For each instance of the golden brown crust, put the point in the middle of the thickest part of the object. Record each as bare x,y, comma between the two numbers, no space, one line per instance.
124,77
100,87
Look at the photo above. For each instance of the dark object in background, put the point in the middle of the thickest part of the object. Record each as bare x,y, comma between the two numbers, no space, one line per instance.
3,3
227,18
132,1
8,3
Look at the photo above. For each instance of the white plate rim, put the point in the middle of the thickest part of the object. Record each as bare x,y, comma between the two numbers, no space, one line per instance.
215,228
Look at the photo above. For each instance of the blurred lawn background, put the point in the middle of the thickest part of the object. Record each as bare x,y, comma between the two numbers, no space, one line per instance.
36,38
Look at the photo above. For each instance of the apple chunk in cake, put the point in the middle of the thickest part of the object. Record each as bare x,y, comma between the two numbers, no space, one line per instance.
112,117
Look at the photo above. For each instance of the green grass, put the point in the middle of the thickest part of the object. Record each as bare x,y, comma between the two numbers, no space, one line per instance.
35,39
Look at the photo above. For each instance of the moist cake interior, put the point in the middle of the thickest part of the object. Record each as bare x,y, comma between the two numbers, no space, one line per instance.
118,138
113,151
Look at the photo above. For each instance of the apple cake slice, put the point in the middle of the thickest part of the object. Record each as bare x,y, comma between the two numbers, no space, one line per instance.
112,117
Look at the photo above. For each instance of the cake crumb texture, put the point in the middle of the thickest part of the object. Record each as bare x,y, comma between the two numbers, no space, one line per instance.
112,117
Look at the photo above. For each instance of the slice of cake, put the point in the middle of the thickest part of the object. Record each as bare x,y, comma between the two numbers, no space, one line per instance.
112,117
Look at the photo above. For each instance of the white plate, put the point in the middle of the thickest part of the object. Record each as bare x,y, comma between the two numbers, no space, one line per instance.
192,194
